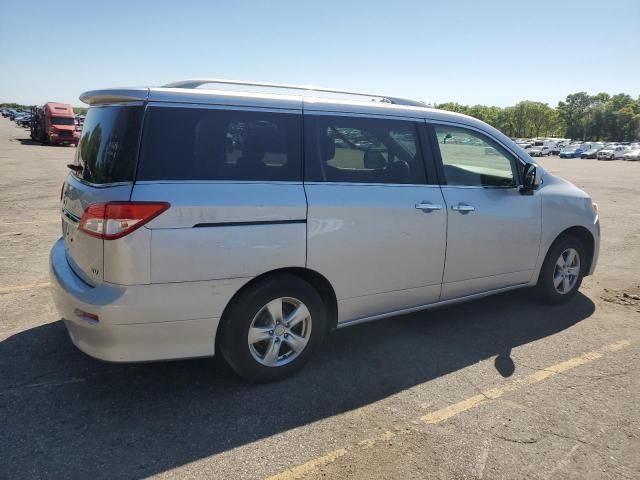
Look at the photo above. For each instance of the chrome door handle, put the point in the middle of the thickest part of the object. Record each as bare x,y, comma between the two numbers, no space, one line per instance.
428,207
463,208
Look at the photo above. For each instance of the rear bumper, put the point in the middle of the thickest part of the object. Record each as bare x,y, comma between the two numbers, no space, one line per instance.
139,322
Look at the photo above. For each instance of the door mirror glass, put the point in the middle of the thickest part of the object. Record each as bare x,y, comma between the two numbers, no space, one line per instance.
530,178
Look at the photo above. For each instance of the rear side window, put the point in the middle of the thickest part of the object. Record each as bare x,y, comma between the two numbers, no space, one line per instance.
108,145
211,144
362,150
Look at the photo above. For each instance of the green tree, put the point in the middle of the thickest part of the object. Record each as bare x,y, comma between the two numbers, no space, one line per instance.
574,112
581,116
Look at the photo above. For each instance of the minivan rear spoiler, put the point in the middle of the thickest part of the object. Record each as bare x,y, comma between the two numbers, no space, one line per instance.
115,95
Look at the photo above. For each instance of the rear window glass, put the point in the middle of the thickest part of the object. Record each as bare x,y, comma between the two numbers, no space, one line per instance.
210,144
108,144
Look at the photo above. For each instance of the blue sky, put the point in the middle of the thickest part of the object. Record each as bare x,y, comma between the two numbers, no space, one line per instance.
491,52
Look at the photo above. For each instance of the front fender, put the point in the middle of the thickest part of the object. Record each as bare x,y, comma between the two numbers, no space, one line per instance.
565,206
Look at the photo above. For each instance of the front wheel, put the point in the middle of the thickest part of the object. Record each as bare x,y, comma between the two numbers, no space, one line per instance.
273,328
562,271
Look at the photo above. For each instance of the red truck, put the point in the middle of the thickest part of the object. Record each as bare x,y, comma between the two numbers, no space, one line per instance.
54,123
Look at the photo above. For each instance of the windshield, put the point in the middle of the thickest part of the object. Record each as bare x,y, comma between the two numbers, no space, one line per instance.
62,120
108,144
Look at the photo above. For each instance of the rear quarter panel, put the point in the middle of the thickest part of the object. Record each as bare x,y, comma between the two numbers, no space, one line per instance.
220,230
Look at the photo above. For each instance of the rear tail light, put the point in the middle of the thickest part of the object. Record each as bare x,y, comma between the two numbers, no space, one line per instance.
116,219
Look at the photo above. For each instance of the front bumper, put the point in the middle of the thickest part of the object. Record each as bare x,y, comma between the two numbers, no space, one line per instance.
58,140
136,323
595,231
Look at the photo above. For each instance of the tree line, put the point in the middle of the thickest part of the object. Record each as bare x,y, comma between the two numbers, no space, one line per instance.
611,118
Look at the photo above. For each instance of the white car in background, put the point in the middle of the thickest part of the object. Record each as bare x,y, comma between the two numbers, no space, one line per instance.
539,151
632,154
612,152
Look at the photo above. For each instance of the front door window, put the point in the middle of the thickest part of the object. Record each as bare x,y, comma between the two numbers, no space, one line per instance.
470,159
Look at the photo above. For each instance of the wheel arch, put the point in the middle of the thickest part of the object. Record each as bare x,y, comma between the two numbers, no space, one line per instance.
586,238
318,281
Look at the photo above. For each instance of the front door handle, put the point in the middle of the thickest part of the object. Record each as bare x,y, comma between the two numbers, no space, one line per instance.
428,207
463,208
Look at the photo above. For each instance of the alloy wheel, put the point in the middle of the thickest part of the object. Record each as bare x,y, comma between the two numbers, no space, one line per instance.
566,271
279,332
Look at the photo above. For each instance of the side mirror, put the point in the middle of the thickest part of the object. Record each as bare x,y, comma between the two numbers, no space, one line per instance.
374,160
530,179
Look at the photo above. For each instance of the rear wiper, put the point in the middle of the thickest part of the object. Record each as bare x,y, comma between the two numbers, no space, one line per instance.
75,168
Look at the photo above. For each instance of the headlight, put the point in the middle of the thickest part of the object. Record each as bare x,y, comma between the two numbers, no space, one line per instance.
594,205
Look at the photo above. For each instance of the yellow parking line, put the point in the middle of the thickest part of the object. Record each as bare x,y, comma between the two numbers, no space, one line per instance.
443,414
497,392
17,288
310,466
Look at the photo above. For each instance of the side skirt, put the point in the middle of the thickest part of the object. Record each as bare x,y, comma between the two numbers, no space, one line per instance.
430,306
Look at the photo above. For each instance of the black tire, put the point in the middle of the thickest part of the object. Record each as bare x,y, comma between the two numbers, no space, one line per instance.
545,287
238,317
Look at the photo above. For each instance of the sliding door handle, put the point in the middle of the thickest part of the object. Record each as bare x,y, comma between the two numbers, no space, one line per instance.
428,207
463,208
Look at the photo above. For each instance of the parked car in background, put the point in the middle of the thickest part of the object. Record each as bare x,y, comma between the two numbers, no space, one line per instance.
557,149
592,152
572,151
632,154
24,120
539,151
19,117
179,243
613,152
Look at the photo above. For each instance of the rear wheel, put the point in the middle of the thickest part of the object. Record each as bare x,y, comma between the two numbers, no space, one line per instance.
562,271
273,328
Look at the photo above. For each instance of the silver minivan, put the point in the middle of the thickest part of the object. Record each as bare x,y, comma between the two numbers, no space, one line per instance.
198,221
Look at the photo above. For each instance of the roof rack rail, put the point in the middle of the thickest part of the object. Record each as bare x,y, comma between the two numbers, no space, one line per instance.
386,98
